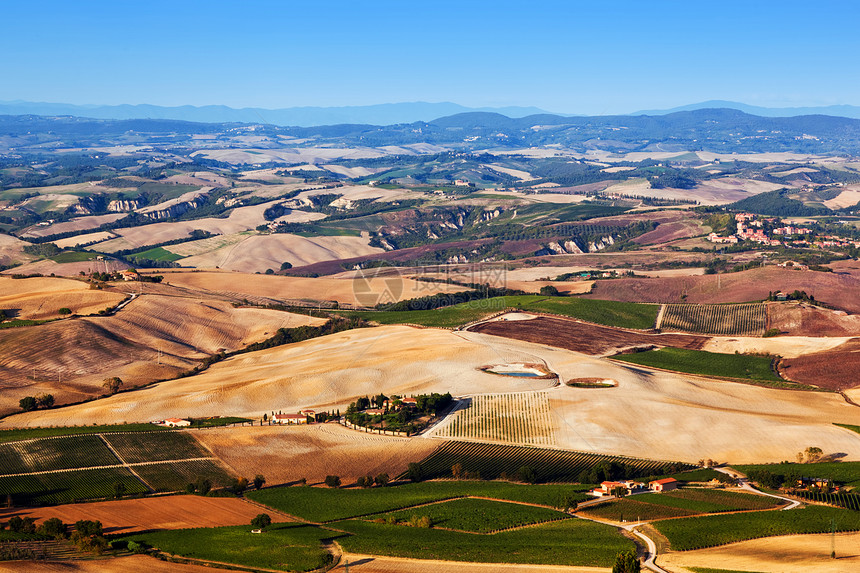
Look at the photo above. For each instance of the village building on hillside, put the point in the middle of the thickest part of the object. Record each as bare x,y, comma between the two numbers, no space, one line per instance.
176,423
661,485
289,419
608,488
129,275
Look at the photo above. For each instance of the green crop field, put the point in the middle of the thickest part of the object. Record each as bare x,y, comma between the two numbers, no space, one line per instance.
322,504
607,312
710,531
699,500
630,509
566,542
67,487
157,254
849,427
550,465
721,319
74,257
741,366
700,474
46,454
847,473
846,500
175,476
139,447
31,433
283,546
480,515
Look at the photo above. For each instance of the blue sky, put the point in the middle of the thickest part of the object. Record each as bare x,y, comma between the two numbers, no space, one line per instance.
573,57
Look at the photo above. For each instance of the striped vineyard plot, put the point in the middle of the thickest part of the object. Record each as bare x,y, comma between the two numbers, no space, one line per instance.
156,446
49,454
717,319
175,476
494,461
522,419
69,486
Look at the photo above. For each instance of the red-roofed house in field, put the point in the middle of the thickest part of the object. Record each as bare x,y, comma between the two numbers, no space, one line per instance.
310,413
289,419
411,402
176,423
661,485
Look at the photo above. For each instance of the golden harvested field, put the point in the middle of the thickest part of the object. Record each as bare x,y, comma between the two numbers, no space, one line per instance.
324,373
48,267
650,414
785,346
78,224
165,512
41,298
256,253
287,454
787,554
240,219
82,240
287,288
12,250
71,358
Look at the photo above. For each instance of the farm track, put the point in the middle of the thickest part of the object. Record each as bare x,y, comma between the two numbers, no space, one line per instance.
125,464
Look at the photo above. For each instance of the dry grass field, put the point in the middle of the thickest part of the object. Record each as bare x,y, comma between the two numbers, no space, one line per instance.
256,253
375,564
12,250
288,454
77,224
286,288
41,298
166,512
83,240
49,267
70,358
787,554
324,373
650,414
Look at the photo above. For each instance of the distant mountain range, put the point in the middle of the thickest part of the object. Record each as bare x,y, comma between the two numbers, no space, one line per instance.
851,111
382,114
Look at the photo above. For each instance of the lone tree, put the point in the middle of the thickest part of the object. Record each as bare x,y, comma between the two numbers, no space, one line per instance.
258,481
813,454
626,563
45,400
28,404
262,521
112,385
414,472
381,480
332,481
119,490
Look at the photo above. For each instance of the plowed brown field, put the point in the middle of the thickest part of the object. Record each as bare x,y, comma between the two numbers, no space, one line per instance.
837,369
168,512
583,337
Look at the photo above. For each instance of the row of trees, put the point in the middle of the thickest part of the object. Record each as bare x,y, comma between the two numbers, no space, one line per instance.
30,403
87,535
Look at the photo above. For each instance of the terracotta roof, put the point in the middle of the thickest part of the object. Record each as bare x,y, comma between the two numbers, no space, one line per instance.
665,481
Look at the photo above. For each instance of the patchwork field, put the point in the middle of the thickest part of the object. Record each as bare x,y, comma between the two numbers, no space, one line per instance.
688,418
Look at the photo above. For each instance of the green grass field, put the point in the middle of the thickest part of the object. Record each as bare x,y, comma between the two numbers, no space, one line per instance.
849,427
741,366
480,515
847,473
323,504
630,509
283,546
708,500
74,257
607,312
31,433
67,487
157,254
566,542
15,323
713,530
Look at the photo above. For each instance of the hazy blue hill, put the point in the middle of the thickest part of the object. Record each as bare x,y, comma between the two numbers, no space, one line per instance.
851,111
382,114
